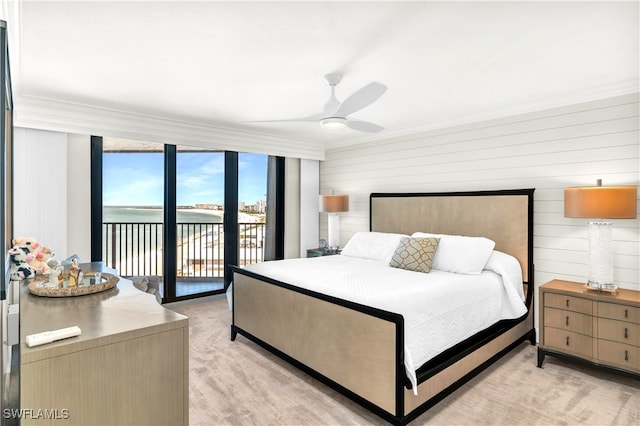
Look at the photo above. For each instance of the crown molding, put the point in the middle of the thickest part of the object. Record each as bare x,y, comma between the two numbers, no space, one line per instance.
60,116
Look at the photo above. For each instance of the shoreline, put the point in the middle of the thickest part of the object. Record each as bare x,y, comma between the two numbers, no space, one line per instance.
243,217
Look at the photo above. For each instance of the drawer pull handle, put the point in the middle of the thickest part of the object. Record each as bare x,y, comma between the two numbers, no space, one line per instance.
626,355
626,313
567,321
626,333
568,341
567,303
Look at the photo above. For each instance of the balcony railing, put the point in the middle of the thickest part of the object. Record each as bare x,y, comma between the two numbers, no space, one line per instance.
136,248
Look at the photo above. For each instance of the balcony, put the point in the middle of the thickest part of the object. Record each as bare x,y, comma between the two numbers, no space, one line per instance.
136,249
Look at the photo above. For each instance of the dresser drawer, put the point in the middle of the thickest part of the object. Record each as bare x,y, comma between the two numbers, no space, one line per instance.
618,331
570,303
568,341
568,320
619,355
619,312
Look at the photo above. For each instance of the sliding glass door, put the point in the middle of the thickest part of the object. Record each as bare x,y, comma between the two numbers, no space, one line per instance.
177,214
133,207
200,177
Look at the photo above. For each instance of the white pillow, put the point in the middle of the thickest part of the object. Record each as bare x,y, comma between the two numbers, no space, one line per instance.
460,254
372,245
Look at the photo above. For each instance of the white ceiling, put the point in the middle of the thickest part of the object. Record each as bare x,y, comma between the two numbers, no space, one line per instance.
226,64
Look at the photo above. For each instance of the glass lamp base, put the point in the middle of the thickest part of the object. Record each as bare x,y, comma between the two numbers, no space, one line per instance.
600,255
334,232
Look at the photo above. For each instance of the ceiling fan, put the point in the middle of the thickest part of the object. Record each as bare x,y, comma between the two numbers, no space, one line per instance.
335,113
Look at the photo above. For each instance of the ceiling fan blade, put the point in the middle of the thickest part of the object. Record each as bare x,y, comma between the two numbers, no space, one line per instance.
315,117
364,126
361,98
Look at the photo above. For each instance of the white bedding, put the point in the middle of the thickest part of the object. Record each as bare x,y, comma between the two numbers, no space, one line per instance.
440,309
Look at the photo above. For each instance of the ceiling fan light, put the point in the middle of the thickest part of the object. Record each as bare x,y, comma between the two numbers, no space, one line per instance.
333,122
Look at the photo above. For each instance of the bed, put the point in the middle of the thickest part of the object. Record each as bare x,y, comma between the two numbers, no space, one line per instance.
369,347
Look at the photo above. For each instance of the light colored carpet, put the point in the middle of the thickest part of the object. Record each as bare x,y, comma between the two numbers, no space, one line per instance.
239,383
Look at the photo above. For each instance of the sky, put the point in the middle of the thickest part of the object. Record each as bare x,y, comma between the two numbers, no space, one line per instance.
136,179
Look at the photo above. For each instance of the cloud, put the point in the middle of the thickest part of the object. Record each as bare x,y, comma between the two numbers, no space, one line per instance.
139,192
138,179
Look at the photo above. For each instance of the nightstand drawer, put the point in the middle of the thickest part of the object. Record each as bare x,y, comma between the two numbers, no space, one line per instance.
568,320
619,331
568,341
619,354
575,304
619,312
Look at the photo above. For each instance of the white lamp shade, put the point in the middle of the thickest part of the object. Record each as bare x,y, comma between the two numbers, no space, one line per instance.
603,202
336,203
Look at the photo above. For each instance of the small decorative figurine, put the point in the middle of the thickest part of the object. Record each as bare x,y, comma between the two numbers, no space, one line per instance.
54,274
75,274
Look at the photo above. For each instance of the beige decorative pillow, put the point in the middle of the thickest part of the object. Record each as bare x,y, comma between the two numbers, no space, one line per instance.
415,254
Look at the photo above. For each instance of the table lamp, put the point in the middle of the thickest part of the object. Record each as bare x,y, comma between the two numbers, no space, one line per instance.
601,202
334,204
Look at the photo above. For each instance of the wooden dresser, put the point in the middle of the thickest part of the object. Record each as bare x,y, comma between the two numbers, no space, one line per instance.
129,366
600,328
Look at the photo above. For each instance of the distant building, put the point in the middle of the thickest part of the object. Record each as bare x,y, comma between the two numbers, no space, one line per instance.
258,207
209,206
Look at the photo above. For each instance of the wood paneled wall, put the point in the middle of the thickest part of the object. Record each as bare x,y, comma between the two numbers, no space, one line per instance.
41,187
547,150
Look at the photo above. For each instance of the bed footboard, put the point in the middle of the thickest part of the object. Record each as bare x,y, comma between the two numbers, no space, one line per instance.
440,385
345,345
355,349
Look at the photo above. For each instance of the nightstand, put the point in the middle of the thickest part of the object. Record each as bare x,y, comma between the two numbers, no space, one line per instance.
601,329
317,252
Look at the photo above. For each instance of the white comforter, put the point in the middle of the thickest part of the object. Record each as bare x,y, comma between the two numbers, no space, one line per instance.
440,309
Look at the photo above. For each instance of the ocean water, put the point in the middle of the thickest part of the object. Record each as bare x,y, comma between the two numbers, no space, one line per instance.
144,215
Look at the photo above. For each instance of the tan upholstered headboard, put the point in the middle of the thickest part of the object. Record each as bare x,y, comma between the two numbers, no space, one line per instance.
505,216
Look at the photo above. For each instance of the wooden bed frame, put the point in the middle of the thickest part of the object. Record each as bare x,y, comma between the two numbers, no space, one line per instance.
357,349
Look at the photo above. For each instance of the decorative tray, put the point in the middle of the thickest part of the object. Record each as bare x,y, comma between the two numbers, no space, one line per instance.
92,282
